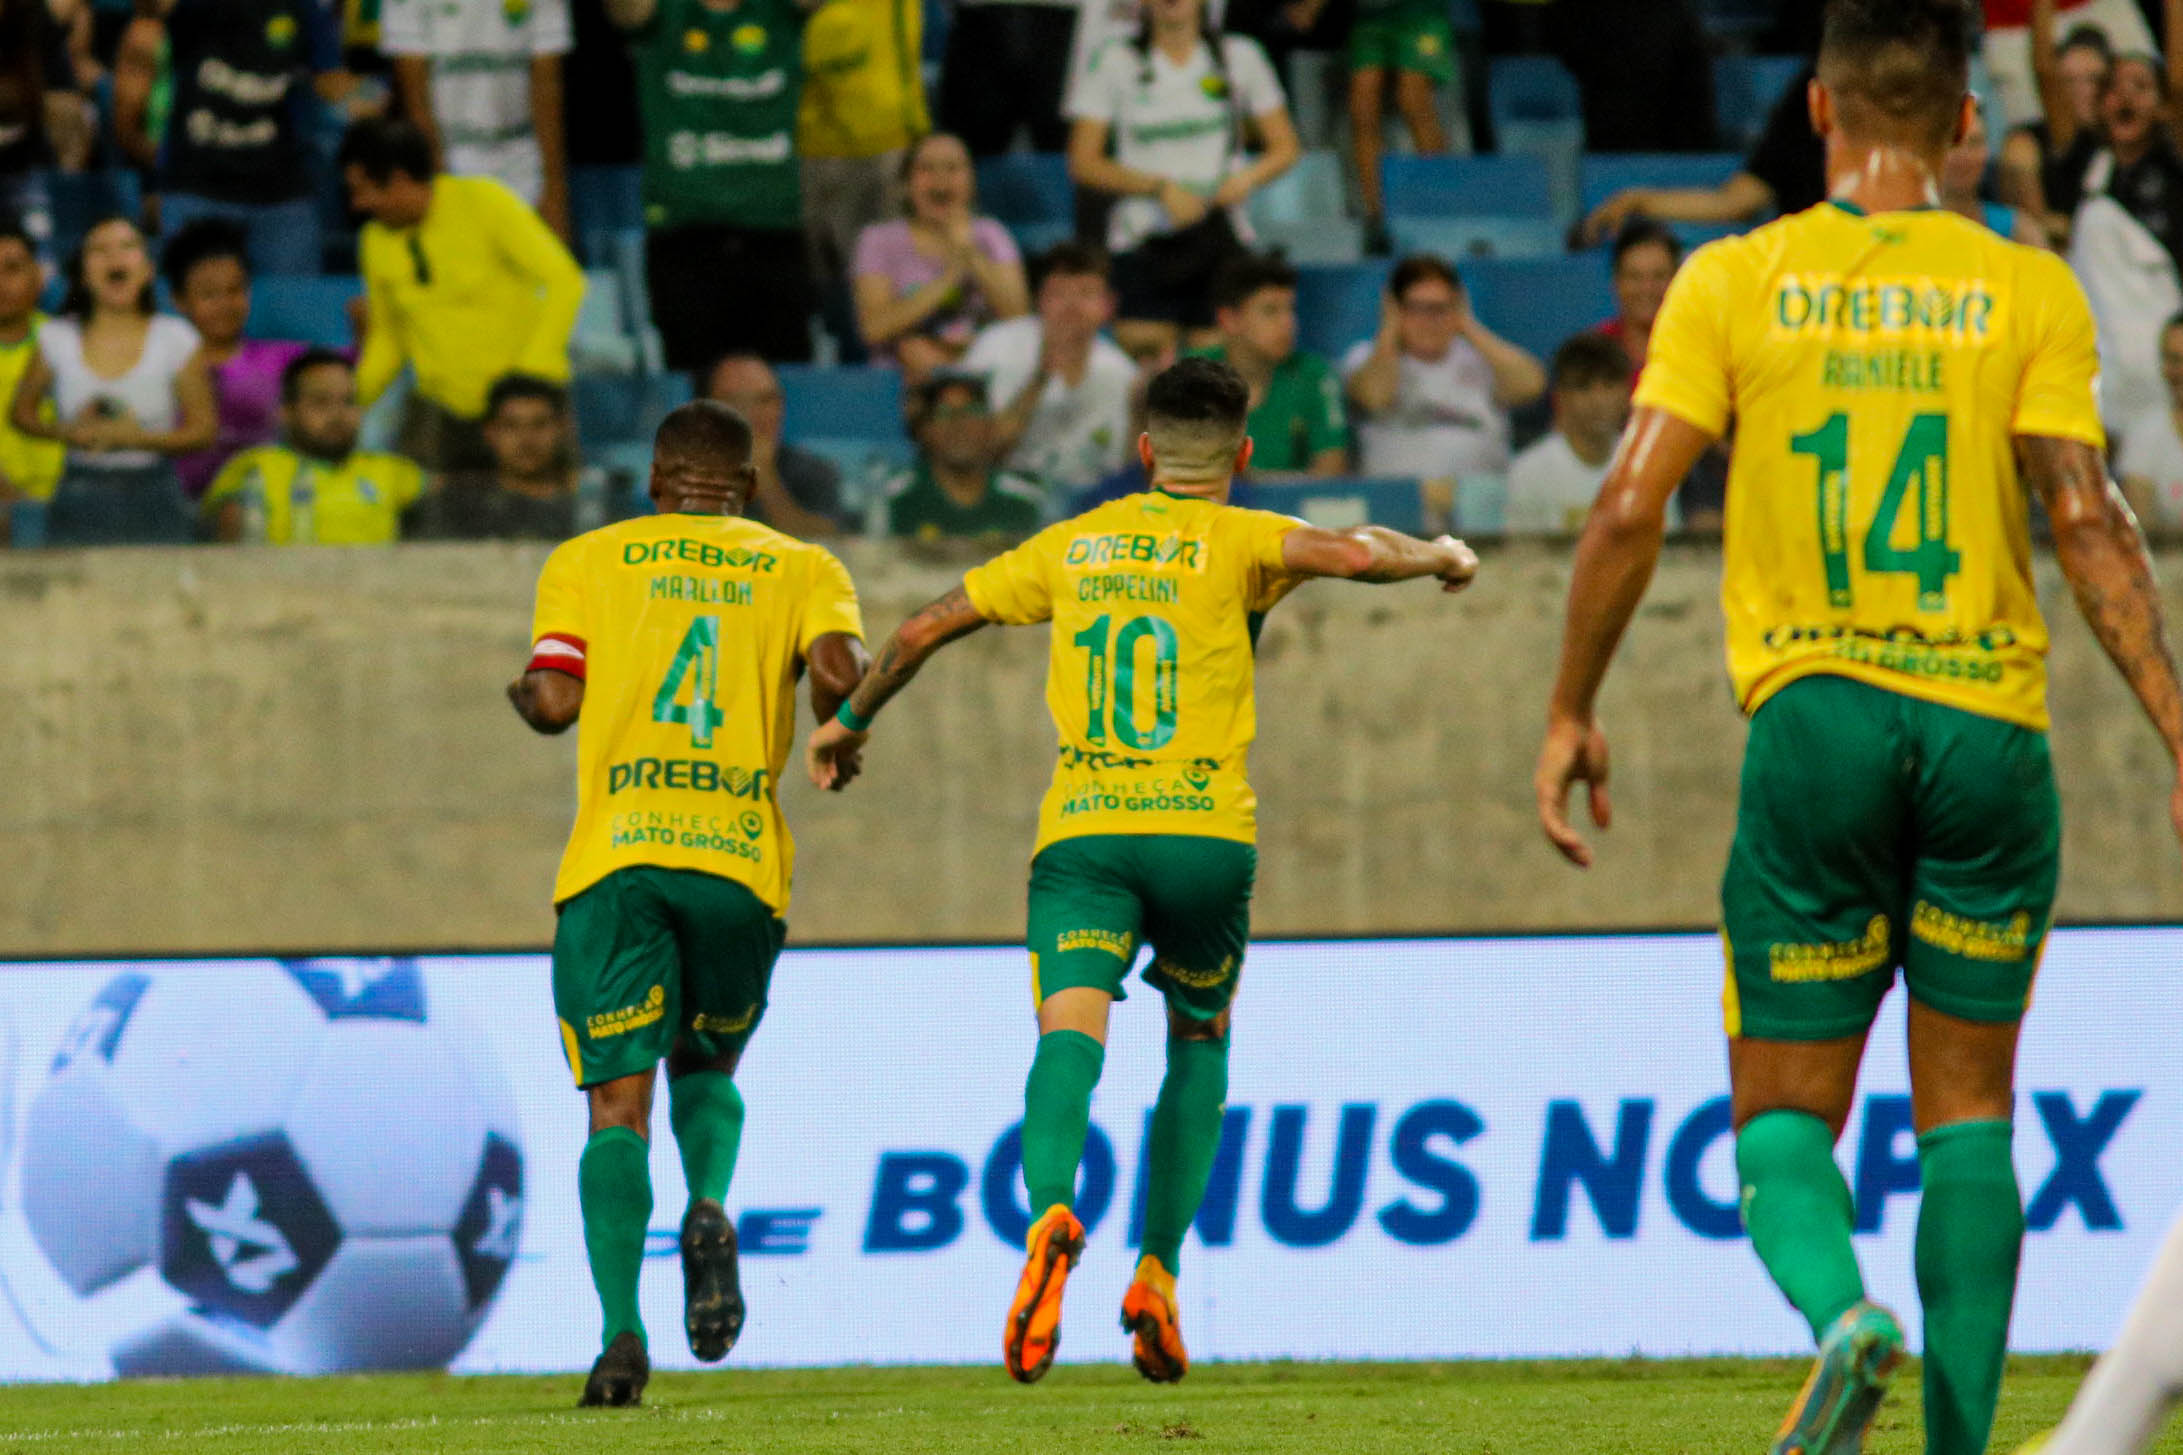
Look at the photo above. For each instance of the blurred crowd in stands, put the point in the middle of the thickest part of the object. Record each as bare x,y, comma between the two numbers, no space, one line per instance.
294,271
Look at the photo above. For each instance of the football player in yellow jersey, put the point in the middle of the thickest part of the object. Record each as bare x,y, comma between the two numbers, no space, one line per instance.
1146,835
1887,366
676,641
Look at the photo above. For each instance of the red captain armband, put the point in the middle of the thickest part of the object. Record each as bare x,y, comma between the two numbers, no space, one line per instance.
558,652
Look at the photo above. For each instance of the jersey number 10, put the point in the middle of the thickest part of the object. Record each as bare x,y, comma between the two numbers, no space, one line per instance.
1122,709
697,661
1923,458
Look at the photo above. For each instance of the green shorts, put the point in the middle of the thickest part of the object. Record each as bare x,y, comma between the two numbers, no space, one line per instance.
1879,832
648,961
1409,38
1095,899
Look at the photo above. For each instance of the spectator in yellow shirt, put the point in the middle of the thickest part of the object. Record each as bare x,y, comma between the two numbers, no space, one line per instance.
30,468
462,282
863,103
314,488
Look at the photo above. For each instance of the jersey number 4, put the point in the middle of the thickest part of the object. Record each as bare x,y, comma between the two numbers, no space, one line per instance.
697,663
1120,704
1923,461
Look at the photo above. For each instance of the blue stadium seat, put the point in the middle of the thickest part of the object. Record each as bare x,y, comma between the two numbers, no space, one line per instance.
609,409
603,341
1728,19
1541,302
864,464
1745,89
1338,304
1025,188
1607,173
1461,238
1033,238
1327,240
1491,186
1311,191
308,310
1465,17
604,201
1340,503
1532,88
842,403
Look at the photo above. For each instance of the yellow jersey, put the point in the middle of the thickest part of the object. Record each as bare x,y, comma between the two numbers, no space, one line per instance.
689,633
1877,369
863,87
1154,600
32,466
291,499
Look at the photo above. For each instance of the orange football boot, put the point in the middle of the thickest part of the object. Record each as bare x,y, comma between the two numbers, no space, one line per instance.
1148,1314
1034,1319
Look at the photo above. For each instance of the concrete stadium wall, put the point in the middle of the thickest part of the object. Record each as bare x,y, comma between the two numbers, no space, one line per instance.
266,749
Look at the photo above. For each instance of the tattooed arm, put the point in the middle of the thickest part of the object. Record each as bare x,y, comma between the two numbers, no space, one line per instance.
2101,551
830,757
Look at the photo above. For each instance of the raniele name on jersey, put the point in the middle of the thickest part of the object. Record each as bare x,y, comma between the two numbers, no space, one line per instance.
1877,370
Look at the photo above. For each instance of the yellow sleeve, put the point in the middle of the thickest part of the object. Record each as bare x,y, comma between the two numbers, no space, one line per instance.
830,602
1688,373
1012,588
1265,533
384,347
229,482
560,614
533,252
2059,393
405,482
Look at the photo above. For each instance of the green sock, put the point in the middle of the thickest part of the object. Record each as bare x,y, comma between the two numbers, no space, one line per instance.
1799,1212
707,1114
1970,1232
614,1184
1185,1136
1057,1114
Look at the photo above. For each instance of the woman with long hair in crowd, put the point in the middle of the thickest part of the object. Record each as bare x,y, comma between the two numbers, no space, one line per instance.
130,391
1185,108
927,282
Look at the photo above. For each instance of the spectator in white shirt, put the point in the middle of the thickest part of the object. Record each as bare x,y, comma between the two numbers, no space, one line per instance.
2150,461
1432,392
1180,106
1066,392
482,79
1552,485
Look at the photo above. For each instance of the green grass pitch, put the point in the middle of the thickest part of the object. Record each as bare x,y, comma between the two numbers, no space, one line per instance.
1701,1407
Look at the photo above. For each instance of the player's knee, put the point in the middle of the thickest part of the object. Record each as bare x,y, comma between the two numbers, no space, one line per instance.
623,1102
683,1061
1183,1027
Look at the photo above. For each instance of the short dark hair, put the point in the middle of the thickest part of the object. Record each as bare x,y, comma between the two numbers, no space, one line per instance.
1899,66
2087,38
1245,275
291,377
380,146
1589,359
924,398
1198,391
1073,260
701,429
1641,232
526,386
76,302
2151,63
1422,268
200,241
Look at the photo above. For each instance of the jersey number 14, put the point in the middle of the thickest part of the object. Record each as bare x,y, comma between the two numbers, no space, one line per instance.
1923,461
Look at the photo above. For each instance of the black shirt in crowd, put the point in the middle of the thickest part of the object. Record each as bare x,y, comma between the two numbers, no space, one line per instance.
1789,157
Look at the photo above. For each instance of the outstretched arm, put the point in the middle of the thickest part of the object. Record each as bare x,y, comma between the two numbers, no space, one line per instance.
1376,555
548,700
1615,560
2099,547
930,629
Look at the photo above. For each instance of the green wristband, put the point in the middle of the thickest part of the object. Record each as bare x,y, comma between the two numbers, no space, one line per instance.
848,718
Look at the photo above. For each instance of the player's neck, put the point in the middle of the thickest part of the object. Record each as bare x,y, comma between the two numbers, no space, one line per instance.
1213,490
1882,178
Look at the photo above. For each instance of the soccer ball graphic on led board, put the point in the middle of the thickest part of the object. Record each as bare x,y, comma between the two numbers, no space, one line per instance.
272,1166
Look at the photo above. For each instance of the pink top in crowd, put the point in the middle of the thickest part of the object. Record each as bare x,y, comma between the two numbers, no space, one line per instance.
886,249
247,387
